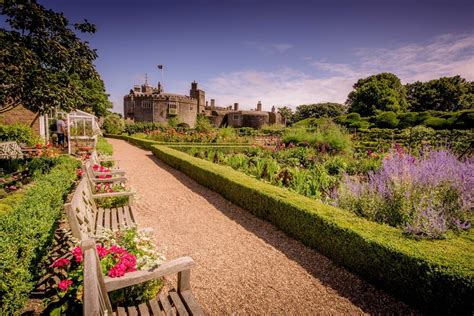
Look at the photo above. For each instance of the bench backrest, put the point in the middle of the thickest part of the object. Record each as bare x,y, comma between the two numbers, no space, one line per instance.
96,299
81,211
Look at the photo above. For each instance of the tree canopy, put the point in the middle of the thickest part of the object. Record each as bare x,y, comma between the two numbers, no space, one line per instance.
43,62
287,113
318,110
443,94
381,92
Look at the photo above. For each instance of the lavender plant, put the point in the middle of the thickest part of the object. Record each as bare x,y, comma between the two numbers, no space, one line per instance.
427,196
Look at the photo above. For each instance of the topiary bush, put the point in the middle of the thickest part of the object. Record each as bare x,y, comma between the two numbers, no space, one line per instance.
113,124
435,122
387,120
26,232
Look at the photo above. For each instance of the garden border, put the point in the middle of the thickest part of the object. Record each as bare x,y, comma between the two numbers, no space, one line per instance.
434,279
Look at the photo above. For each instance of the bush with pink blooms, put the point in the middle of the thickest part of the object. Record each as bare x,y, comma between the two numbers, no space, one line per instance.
119,253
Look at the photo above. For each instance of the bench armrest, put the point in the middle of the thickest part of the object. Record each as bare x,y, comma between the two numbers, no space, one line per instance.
113,194
116,179
111,172
182,264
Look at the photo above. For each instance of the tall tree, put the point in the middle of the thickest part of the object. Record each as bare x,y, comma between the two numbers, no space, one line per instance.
287,113
318,110
443,94
381,92
43,62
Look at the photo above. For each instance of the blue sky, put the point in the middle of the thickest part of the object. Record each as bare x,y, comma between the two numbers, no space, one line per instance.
280,52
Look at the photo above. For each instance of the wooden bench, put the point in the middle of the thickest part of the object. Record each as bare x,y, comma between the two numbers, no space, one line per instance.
95,177
87,220
175,302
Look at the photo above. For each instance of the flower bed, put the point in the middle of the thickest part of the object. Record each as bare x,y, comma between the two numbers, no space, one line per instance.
119,252
436,276
26,232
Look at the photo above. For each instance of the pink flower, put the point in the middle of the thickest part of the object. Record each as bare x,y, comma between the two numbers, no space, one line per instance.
77,253
101,251
64,285
61,262
95,167
117,270
116,250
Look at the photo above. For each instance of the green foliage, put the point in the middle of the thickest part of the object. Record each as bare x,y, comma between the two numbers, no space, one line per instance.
319,110
203,124
45,64
103,147
143,127
443,94
95,99
113,124
20,134
27,231
273,129
435,122
173,121
387,119
287,113
436,276
383,92
328,136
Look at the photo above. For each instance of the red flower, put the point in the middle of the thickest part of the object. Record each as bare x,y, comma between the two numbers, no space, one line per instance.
101,250
61,262
116,250
77,253
64,285
79,173
95,167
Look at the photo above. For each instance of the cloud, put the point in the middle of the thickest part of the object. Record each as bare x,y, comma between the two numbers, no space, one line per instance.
269,47
445,55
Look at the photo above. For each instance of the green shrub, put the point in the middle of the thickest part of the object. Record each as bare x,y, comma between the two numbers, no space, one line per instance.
113,124
20,134
353,117
435,122
26,232
387,119
437,277
203,124
408,119
103,147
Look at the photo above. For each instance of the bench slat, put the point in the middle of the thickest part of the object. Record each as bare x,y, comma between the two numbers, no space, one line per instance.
100,220
178,304
114,216
166,305
121,311
191,304
143,308
107,218
121,218
128,215
155,308
132,311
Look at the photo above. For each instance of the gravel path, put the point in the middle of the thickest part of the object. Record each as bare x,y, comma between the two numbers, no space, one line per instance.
244,265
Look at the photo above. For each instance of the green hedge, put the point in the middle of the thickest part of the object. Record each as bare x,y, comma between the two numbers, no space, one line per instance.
436,276
103,147
26,232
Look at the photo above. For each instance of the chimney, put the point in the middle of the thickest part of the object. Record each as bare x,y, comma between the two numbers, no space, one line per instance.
213,104
236,106
207,104
273,109
259,106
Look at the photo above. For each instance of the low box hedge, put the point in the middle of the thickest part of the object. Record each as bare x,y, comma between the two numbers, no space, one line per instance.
435,276
27,230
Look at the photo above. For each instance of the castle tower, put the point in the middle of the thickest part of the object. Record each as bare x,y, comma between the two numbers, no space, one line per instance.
259,106
199,95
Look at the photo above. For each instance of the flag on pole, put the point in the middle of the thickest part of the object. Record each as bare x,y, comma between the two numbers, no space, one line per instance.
160,66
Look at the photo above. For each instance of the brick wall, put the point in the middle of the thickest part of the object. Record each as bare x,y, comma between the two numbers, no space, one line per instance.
21,115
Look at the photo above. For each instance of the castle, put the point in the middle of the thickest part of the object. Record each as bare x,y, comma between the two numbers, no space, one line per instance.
149,104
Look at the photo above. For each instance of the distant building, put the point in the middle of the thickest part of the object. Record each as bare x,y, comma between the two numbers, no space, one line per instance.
149,104
232,116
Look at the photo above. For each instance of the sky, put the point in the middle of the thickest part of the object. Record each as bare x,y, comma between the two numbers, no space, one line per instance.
278,52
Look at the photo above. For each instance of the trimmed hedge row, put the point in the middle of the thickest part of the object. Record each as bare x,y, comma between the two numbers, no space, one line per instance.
436,276
27,231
